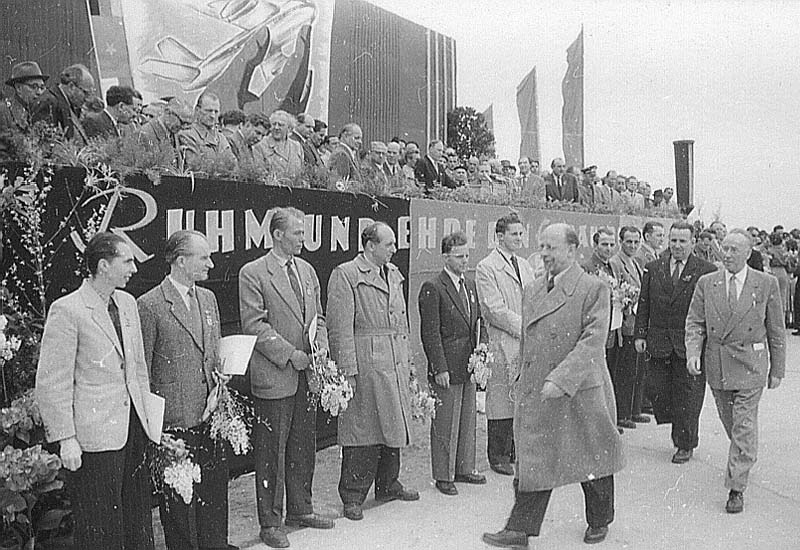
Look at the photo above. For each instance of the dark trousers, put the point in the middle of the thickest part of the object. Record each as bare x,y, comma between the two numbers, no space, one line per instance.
363,465
677,398
625,376
642,367
500,441
453,432
284,445
204,522
529,507
110,496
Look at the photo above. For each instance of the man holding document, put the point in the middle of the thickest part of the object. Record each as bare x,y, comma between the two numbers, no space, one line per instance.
92,389
181,334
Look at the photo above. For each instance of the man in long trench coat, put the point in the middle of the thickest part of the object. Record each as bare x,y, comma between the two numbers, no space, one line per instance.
564,415
368,336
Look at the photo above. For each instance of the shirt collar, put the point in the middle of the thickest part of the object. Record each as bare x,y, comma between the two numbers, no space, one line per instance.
740,275
182,289
453,277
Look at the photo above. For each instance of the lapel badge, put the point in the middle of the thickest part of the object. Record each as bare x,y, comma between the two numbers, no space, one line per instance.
209,319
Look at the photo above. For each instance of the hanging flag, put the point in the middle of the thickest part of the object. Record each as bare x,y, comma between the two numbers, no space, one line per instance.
528,110
488,116
572,112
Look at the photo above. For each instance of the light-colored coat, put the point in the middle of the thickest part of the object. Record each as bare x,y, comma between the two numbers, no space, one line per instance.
742,347
87,379
572,438
269,309
368,329
628,270
180,364
500,295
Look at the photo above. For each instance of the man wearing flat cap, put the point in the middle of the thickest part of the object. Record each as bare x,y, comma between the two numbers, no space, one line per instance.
28,83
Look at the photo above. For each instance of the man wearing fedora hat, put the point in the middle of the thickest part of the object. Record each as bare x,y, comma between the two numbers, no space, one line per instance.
61,104
28,83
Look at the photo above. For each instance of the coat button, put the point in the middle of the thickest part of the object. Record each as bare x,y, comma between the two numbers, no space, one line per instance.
125,403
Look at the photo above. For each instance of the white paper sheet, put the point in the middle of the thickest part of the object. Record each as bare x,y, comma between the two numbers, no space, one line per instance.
235,352
154,408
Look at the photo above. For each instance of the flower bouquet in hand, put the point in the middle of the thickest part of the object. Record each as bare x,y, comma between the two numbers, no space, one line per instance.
423,403
324,378
480,365
171,466
623,294
232,419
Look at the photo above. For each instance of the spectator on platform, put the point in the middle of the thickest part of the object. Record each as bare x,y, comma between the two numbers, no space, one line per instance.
282,156
27,81
631,195
530,185
704,247
652,243
560,186
326,148
162,131
429,172
302,134
119,110
668,194
644,190
202,139
410,159
230,121
61,105
392,168
472,169
586,190
244,137
658,198
756,259
452,161
318,136
344,162
372,167
605,192
460,176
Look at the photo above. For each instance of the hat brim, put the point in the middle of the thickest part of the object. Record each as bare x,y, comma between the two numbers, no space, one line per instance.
12,81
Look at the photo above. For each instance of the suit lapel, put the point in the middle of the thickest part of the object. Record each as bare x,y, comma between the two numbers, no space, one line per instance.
719,297
743,305
177,306
454,295
280,281
101,316
546,303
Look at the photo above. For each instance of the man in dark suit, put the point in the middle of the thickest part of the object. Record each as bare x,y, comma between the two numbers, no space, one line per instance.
450,318
27,81
119,110
181,332
302,134
61,104
279,298
667,287
344,163
756,259
560,186
428,170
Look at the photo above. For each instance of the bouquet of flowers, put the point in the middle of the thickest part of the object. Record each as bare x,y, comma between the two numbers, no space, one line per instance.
423,403
8,345
480,365
325,380
232,419
171,466
21,417
623,294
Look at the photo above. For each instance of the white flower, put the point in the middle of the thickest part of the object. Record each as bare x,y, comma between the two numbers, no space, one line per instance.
182,476
3,322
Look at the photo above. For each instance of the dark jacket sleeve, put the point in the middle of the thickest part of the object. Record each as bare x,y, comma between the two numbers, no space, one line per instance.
430,328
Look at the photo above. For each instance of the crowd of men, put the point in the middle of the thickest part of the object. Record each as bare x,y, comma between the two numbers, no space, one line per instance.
291,146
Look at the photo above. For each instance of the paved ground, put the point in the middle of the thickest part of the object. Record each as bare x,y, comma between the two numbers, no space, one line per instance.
659,505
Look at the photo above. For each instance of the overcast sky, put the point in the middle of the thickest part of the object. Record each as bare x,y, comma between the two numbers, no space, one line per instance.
725,74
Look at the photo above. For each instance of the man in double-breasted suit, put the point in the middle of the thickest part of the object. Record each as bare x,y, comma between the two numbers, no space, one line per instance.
560,185
736,321
181,332
450,318
667,287
90,386
500,278
368,329
279,298
564,413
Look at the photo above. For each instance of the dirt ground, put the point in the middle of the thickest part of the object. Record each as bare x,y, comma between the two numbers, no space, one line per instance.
415,473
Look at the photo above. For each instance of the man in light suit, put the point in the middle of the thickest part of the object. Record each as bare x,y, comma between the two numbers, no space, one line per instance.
736,320
90,386
279,298
652,242
450,318
500,278
559,185
181,332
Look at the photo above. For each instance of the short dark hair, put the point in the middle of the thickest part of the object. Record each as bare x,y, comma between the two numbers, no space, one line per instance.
706,234
319,125
603,231
103,246
509,219
683,224
370,233
119,94
210,96
234,117
628,229
74,74
649,227
454,239
178,243
258,119
281,216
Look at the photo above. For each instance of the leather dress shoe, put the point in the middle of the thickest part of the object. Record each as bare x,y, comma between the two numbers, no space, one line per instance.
626,423
503,468
353,512
640,418
309,520
796,333
506,539
594,535
402,494
274,537
474,478
620,430
682,456
227,547
735,502
447,488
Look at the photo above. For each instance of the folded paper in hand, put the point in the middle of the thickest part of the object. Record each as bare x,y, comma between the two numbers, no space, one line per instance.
154,408
235,352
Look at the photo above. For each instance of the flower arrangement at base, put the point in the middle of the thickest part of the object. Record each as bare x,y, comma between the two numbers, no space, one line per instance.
327,382
171,466
480,365
423,402
232,420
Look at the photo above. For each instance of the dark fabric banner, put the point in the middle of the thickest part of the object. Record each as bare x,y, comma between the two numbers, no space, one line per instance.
572,112
528,111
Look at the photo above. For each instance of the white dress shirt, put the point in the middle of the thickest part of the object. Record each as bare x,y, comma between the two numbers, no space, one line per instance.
740,276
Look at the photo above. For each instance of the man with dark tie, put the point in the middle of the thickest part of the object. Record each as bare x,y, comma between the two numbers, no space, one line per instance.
119,110
559,185
667,286
279,298
429,171
450,319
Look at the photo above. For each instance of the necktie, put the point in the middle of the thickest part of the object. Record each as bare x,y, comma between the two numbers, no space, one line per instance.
732,299
551,283
194,315
294,281
676,273
462,290
515,263
113,311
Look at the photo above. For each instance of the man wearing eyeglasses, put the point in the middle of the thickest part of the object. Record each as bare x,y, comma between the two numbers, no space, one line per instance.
61,104
372,167
28,83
